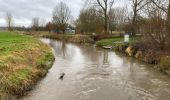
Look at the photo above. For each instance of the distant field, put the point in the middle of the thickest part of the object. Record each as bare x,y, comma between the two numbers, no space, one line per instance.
23,61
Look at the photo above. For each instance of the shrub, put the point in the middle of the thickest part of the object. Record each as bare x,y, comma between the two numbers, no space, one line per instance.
165,63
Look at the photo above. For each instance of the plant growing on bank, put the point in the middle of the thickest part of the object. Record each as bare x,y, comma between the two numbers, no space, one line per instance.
165,64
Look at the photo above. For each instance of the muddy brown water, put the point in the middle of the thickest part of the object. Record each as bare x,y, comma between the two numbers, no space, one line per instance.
95,74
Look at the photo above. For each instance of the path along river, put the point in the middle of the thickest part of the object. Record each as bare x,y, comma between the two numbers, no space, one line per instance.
95,74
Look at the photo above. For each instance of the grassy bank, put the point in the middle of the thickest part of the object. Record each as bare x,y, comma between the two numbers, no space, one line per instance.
117,41
67,37
71,38
23,61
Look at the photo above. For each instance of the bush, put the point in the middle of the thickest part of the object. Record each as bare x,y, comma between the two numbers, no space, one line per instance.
165,63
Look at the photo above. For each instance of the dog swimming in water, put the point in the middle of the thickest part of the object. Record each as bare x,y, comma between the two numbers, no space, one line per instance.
62,76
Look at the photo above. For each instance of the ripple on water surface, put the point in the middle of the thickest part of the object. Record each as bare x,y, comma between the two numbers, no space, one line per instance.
97,74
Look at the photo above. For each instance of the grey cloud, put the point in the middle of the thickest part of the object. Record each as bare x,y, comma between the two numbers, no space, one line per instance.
24,10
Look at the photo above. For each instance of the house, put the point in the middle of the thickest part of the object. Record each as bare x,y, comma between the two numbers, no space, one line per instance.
70,30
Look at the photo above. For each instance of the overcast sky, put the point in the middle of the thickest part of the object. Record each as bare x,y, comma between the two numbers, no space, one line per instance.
24,10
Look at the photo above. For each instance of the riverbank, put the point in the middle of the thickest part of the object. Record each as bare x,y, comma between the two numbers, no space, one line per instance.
135,48
96,74
23,61
138,49
71,38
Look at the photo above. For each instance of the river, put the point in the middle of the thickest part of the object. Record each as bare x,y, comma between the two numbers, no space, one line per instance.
92,73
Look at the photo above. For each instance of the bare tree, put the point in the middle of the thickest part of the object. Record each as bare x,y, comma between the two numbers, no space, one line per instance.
49,27
137,5
155,26
90,21
61,16
9,20
164,5
35,23
42,22
105,7
168,18
117,18
161,4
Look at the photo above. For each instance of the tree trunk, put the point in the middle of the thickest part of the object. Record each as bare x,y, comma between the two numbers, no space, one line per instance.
49,31
168,18
106,23
63,31
134,21
162,44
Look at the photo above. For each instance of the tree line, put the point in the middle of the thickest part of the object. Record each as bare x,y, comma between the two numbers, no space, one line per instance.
150,18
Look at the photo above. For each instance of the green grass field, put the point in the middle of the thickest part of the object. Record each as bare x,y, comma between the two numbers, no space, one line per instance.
22,60
111,41
10,42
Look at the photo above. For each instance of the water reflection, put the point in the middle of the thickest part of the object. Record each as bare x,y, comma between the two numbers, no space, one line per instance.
96,74
105,58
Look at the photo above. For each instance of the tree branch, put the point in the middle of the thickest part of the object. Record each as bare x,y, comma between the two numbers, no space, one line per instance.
162,8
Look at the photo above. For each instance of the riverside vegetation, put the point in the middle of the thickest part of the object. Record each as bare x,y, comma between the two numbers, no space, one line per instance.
23,61
137,47
140,50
